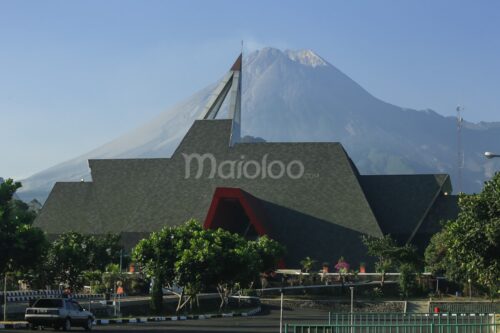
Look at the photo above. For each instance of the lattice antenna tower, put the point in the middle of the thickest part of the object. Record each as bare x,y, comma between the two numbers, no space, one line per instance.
460,151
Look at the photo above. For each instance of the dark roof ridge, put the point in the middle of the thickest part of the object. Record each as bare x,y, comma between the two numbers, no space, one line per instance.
431,204
361,190
74,182
407,174
291,143
128,159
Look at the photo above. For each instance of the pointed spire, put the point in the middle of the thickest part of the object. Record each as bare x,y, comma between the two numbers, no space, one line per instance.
237,64
230,86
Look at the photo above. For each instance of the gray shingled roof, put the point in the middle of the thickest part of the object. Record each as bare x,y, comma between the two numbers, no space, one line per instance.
321,214
401,202
444,209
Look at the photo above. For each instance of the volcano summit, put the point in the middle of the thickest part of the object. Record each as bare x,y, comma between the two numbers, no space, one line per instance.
297,96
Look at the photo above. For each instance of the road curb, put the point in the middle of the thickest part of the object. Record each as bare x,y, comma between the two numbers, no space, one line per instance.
14,325
100,322
138,320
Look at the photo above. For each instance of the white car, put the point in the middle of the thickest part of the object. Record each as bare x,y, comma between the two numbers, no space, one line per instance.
58,313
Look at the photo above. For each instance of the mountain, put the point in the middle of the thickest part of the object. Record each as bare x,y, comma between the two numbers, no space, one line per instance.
298,96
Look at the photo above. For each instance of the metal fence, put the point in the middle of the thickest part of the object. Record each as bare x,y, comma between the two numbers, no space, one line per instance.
401,323
466,307
31,295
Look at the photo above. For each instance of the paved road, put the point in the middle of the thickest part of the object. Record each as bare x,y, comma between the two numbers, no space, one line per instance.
266,322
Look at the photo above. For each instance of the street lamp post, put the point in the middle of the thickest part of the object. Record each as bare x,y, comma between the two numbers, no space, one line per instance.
352,308
470,289
121,260
282,289
281,310
490,155
114,284
119,285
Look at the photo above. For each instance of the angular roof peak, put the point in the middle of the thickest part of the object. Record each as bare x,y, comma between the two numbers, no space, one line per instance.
237,64
230,86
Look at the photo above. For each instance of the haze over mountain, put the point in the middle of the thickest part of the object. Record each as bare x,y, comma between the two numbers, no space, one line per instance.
298,96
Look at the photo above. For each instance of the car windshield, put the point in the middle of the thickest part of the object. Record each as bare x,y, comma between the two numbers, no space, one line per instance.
48,303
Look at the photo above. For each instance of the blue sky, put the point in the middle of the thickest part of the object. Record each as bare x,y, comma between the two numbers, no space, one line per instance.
76,74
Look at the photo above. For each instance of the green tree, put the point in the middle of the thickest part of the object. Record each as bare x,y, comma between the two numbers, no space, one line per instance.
270,252
407,281
197,259
436,260
390,255
383,249
67,258
468,247
239,261
234,262
197,265
157,255
103,250
21,244
223,259
73,253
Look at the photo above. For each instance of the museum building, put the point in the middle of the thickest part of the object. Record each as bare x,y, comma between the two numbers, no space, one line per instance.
308,196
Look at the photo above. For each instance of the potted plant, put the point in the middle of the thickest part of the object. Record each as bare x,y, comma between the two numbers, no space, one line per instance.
342,268
362,267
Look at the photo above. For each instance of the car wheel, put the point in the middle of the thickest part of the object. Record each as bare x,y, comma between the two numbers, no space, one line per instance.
89,324
32,326
67,325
